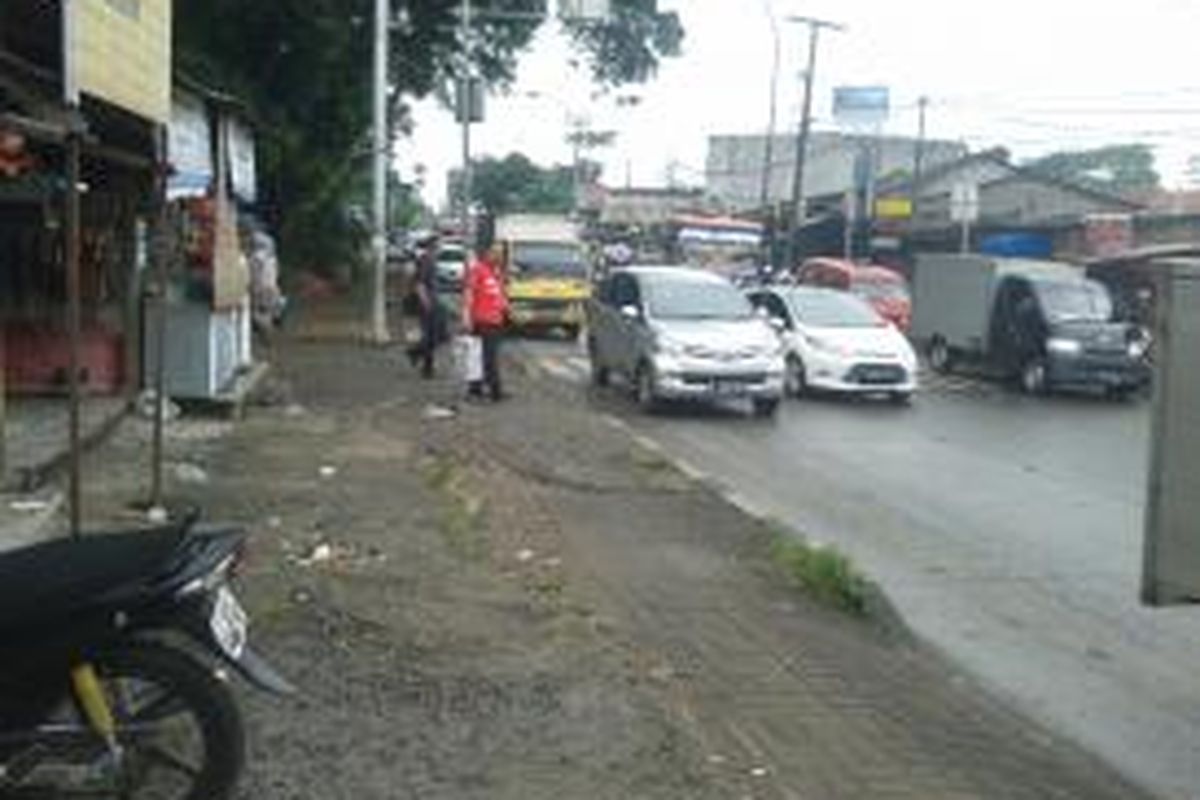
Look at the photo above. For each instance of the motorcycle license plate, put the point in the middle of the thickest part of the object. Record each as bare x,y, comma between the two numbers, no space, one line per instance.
229,623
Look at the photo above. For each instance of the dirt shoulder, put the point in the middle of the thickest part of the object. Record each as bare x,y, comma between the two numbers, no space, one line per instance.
518,602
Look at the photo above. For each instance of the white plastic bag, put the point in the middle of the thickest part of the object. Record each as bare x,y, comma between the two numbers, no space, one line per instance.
468,357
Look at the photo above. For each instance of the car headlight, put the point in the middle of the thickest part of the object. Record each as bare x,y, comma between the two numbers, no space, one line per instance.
1064,347
668,347
826,346
1138,348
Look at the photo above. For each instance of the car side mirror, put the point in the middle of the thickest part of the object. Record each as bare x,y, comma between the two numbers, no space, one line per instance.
777,324
631,312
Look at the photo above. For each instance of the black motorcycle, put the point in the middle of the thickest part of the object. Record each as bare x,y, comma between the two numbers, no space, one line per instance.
115,652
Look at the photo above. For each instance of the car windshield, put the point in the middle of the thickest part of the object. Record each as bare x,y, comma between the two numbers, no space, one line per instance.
450,255
879,290
832,309
548,260
675,298
1075,301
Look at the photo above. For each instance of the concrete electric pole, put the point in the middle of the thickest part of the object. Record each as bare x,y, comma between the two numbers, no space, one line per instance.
379,333
919,155
815,27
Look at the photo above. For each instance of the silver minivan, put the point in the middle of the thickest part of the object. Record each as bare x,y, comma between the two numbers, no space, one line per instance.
677,333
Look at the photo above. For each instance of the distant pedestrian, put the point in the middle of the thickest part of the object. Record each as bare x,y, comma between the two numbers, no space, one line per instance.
429,312
485,313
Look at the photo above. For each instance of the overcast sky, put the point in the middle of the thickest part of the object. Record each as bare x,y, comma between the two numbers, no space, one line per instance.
1033,75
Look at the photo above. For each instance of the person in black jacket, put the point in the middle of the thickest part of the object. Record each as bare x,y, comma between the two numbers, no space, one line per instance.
429,310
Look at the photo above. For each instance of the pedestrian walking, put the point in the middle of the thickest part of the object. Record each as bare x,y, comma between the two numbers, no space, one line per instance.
485,313
432,321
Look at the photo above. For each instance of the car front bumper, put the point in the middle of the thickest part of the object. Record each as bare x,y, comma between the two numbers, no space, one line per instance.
861,376
545,313
683,379
1093,371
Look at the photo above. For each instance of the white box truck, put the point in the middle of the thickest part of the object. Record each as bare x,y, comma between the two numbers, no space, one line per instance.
1042,323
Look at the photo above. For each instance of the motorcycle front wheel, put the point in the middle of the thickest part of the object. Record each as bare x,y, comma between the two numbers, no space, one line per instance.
178,727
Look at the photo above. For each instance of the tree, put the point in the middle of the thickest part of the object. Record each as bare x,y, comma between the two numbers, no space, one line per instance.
302,70
516,184
1117,168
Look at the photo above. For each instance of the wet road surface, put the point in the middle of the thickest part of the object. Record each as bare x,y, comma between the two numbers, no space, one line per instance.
1007,530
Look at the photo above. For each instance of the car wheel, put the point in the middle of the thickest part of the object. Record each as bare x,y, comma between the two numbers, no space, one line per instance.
795,378
600,373
1033,377
643,387
940,356
766,407
900,398
571,332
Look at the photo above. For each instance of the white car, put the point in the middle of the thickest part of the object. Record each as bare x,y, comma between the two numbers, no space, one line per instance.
836,342
451,265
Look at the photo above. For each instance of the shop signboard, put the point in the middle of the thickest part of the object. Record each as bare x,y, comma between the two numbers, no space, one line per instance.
122,54
189,148
243,168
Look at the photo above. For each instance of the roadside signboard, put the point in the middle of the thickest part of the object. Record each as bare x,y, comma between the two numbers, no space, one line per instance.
122,54
1171,563
861,106
893,207
584,10
964,202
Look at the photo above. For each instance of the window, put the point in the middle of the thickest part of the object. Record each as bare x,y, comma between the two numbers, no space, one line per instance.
625,291
833,309
672,297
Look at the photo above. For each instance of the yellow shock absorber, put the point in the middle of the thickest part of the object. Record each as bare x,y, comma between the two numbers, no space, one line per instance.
94,701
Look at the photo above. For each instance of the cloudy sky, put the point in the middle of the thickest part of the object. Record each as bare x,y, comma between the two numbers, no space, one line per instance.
1033,75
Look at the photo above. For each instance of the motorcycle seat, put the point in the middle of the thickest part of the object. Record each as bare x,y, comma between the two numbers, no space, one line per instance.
63,577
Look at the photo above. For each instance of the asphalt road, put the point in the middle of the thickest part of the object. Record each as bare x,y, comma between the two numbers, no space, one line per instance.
1007,531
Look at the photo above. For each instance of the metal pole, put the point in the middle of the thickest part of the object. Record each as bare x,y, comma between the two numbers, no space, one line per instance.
966,236
379,324
764,194
919,155
798,199
71,265
465,113
159,252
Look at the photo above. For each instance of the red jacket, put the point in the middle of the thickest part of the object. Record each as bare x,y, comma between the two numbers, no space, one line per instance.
486,297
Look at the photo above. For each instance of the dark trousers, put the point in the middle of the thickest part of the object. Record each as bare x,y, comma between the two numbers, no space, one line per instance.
490,336
423,351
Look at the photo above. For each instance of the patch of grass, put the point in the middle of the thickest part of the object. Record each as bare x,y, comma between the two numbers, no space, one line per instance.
824,572
649,460
462,513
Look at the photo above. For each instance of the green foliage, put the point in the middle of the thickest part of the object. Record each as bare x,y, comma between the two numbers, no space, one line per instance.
824,572
1115,168
516,184
302,68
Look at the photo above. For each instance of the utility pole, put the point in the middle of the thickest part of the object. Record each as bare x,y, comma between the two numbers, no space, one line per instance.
464,111
382,150
71,263
918,155
798,200
764,195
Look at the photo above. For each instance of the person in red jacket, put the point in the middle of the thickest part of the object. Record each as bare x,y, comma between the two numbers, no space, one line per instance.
485,312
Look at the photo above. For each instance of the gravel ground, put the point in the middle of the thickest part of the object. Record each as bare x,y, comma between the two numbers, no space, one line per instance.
518,602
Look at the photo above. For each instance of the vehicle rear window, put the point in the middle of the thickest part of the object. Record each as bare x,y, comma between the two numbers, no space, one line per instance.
830,309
